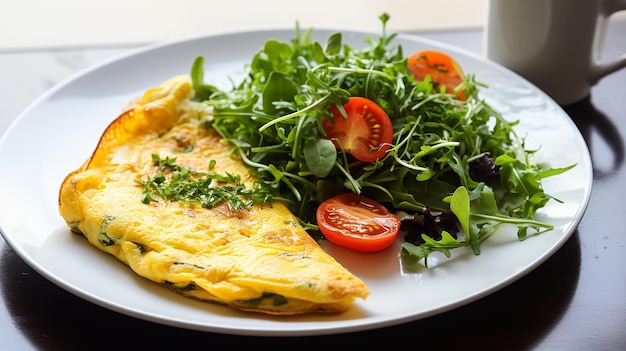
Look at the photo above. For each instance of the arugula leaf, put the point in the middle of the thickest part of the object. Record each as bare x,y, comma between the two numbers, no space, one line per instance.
320,156
278,89
202,91
412,255
479,219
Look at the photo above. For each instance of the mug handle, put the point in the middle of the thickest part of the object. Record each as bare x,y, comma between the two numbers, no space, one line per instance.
599,70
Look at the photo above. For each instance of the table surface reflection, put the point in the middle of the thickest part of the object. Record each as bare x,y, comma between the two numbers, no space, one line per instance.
574,301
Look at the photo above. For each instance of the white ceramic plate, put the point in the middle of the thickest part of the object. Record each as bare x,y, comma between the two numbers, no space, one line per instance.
59,131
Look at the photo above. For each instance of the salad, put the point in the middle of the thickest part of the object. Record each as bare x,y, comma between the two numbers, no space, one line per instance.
369,144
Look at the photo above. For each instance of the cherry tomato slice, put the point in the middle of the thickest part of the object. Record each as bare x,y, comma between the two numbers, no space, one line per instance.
442,68
366,132
357,222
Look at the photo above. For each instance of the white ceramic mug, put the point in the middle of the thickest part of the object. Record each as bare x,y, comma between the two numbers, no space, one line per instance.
555,44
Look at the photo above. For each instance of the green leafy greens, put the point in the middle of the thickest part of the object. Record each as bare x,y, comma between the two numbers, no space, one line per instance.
273,116
176,183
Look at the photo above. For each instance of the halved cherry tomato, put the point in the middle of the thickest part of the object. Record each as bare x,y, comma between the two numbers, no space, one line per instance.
442,68
366,132
357,222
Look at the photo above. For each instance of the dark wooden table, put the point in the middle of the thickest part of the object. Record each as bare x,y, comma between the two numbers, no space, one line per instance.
574,301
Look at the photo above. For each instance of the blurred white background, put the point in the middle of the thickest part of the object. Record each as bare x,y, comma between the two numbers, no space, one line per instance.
35,24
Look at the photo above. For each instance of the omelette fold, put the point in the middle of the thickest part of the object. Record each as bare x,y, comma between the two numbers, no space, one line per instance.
255,257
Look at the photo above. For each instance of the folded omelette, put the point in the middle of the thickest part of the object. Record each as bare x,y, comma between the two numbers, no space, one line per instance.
252,256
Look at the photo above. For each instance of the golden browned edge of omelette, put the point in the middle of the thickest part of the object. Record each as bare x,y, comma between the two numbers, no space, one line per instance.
258,259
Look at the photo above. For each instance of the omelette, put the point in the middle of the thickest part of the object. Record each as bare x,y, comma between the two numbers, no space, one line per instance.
168,197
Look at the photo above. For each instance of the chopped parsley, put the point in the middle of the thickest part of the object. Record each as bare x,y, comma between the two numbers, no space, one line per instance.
103,237
173,182
183,145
